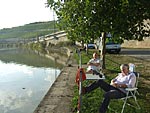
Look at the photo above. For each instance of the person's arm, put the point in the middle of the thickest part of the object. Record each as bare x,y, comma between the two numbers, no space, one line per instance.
92,63
97,64
130,84
113,83
121,85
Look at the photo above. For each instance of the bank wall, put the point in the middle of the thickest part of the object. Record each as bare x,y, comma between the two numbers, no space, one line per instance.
137,44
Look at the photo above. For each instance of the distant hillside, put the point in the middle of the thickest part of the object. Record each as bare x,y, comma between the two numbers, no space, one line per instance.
31,30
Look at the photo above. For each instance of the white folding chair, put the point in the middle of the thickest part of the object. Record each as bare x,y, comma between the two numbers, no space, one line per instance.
131,93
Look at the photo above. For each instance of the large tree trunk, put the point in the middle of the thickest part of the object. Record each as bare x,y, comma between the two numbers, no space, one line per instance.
103,50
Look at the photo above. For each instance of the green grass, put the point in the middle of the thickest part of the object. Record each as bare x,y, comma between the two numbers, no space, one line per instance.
92,100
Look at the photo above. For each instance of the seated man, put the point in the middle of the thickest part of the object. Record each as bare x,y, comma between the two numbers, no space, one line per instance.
93,64
114,90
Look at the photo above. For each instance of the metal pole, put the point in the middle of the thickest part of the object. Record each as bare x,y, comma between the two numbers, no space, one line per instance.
80,84
54,20
80,62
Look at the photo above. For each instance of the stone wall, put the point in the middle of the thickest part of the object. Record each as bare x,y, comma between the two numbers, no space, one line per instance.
137,44
56,41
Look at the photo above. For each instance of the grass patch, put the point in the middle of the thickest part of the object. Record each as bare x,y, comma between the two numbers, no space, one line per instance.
92,101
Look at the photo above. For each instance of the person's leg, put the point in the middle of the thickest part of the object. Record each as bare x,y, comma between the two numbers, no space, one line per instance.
112,94
100,83
89,71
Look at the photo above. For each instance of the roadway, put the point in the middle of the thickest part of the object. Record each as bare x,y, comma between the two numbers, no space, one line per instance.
139,53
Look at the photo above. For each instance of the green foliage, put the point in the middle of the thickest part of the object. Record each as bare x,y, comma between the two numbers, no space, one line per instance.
64,44
32,30
85,20
36,46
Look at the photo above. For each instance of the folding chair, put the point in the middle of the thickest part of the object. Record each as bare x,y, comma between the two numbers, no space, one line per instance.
131,93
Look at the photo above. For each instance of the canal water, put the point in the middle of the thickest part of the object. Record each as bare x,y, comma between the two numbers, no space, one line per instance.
25,77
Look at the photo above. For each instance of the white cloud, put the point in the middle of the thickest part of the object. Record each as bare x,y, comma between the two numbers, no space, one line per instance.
14,68
8,101
11,101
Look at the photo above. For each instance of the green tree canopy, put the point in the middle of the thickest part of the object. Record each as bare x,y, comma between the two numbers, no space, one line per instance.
86,19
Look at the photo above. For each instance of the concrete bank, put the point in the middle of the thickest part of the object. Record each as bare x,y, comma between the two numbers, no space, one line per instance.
58,98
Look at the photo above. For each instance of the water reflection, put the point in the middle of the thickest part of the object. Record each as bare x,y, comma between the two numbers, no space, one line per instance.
28,57
22,86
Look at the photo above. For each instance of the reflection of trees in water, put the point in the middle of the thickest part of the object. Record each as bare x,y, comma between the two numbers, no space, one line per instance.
60,56
28,57
60,51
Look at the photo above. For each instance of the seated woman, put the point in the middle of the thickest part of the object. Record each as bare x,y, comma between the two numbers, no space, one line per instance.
93,64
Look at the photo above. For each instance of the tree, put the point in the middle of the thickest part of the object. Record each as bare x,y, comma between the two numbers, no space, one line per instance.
86,19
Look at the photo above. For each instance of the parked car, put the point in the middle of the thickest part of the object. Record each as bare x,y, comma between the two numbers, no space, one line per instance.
112,47
90,46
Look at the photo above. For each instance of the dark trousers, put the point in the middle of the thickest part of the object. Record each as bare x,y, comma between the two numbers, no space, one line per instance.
110,93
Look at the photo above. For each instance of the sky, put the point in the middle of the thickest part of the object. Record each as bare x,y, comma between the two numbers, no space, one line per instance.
20,12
